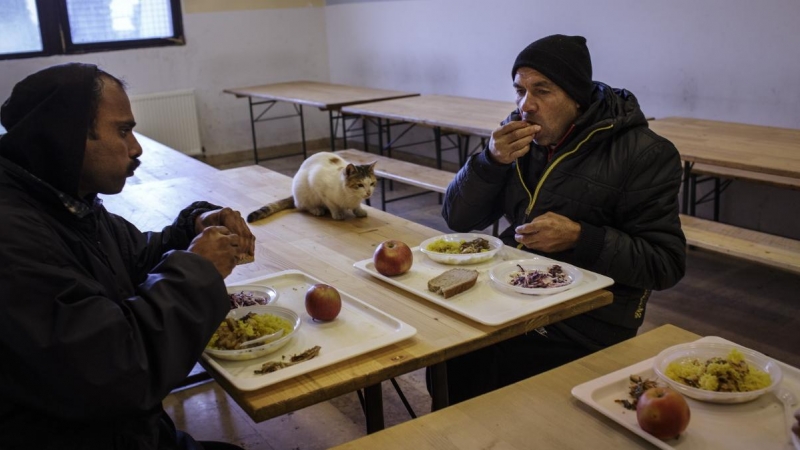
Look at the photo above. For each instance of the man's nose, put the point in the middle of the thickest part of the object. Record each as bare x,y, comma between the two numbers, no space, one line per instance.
527,104
136,149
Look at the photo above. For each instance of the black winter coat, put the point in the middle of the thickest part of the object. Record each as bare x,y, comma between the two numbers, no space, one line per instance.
98,321
615,177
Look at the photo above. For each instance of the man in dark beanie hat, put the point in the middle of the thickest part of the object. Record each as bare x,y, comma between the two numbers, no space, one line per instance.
98,320
582,180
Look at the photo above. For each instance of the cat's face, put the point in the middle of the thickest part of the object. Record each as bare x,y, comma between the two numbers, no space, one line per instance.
361,179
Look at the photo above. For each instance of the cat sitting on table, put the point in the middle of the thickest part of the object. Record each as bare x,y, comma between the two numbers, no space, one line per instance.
325,182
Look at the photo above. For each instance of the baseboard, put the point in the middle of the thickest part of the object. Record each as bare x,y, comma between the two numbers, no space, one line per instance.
276,151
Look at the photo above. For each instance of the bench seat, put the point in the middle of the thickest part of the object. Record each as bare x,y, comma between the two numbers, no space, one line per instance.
775,251
739,174
428,178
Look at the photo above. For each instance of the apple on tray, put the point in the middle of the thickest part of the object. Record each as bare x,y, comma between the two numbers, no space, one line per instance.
663,412
392,258
323,302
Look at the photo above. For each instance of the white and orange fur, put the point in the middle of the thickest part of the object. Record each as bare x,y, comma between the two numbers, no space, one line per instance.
326,183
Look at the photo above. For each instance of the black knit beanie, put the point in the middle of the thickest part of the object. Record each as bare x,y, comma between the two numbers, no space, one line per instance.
565,61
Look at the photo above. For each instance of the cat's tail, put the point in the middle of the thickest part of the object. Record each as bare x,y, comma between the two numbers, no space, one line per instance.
270,209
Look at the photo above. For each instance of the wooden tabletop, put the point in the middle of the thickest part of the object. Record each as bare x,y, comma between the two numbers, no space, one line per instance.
753,148
160,162
473,116
322,95
539,412
327,249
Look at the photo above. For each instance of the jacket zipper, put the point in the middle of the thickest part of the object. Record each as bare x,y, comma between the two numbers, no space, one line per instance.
535,195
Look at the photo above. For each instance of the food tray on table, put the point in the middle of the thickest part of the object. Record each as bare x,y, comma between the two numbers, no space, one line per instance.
359,328
485,303
758,424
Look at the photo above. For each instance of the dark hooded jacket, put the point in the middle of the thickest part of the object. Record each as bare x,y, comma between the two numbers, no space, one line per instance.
615,177
98,321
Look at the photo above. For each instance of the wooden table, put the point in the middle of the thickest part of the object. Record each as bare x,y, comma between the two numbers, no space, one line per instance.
750,148
327,249
325,96
160,162
444,113
539,412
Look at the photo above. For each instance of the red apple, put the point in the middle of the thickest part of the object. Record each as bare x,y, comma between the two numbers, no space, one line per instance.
392,258
323,302
663,412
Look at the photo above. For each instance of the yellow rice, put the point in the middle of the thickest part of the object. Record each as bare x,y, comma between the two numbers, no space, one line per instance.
708,375
450,247
255,326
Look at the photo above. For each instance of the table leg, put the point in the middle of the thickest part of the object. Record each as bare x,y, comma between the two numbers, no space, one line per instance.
302,130
343,118
333,130
364,132
437,136
373,408
380,136
687,170
253,129
439,395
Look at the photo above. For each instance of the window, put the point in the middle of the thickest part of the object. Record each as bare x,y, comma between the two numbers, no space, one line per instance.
51,27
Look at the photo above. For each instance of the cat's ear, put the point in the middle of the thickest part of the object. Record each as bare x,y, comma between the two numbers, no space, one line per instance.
372,167
349,170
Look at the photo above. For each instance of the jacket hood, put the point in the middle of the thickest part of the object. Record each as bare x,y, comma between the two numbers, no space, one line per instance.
612,105
47,118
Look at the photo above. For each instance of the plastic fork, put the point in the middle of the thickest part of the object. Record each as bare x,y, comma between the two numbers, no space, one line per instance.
789,401
260,340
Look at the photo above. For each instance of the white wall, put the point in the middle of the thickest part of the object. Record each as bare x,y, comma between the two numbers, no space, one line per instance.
731,60
224,49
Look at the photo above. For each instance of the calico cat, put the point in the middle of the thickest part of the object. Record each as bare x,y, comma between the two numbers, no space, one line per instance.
325,182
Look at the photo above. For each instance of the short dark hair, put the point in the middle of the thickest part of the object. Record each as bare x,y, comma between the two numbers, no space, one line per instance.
97,94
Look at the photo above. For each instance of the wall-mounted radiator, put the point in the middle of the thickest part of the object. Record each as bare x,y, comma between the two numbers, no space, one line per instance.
169,118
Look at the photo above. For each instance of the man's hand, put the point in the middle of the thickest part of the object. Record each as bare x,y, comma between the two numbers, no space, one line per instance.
549,233
512,141
234,222
218,245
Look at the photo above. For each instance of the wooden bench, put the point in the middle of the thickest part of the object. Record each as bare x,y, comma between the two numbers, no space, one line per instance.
428,178
706,172
775,251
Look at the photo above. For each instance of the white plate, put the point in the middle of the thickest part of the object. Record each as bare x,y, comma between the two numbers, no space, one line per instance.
359,328
260,350
484,303
495,245
702,351
758,424
501,274
256,290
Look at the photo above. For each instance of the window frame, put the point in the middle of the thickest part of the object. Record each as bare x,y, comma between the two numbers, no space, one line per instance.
54,24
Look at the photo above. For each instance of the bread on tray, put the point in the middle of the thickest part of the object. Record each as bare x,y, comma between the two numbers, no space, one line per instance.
453,281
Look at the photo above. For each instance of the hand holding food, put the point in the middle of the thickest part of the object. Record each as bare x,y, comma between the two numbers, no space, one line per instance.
512,141
663,412
233,221
323,302
549,233
219,246
392,258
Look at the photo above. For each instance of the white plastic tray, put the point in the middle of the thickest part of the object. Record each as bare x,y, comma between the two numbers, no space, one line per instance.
484,303
755,425
359,328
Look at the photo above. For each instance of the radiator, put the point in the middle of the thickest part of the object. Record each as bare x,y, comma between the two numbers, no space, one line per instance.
169,118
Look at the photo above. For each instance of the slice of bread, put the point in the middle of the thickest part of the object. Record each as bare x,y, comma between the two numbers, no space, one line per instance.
452,282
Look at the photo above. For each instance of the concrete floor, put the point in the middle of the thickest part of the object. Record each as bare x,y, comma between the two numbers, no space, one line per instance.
750,304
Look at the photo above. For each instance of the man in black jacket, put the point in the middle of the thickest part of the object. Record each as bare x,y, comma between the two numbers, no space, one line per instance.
98,321
583,180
